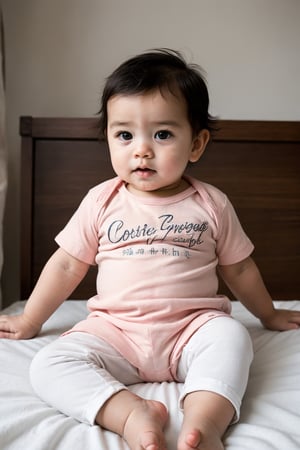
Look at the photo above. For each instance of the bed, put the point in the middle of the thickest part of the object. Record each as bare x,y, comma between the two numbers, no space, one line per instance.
257,164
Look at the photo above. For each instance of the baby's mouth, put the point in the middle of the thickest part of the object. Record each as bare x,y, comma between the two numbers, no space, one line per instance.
143,171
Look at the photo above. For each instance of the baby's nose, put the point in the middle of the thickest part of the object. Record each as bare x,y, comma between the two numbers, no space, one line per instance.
144,150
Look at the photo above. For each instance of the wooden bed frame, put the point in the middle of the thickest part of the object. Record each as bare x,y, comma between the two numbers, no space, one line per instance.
256,163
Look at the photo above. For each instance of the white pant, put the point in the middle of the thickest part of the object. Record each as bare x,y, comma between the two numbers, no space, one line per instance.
79,372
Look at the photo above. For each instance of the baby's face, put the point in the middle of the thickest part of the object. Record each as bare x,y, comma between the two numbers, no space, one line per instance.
151,141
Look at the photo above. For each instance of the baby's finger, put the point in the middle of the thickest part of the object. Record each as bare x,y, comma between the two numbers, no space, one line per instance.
6,332
7,335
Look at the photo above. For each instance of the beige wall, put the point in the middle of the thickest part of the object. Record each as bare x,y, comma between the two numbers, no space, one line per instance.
59,51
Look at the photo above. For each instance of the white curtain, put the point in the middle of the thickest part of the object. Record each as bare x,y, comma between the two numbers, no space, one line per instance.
3,155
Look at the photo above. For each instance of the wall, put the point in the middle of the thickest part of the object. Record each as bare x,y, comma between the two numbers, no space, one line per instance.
58,53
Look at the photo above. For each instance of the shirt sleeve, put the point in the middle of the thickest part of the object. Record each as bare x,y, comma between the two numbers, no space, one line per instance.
233,245
79,237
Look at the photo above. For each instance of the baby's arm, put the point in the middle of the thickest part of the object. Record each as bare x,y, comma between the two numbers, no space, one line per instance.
60,276
246,283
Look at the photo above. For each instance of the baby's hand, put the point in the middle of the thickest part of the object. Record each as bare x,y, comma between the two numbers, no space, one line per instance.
282,320
17,327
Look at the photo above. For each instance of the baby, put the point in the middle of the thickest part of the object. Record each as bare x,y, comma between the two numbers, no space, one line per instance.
158,237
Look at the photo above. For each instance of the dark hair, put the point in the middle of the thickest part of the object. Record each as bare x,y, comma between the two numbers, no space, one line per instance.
161,69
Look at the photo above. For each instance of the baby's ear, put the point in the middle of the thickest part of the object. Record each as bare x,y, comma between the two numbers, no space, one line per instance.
199,145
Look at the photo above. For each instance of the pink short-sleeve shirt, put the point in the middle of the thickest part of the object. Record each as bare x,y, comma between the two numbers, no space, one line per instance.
157,258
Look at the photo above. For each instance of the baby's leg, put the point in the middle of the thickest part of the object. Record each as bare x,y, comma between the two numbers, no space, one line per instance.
214,367
85,378
140,422
206,418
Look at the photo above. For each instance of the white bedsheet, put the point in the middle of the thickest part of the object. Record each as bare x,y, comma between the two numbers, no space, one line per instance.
270,415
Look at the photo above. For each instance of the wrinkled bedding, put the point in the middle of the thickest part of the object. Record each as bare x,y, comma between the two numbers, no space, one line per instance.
270,414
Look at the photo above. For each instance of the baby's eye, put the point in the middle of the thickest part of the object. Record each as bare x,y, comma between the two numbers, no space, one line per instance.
163,134
125,135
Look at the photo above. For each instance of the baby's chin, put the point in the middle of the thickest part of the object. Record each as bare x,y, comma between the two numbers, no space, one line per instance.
147,188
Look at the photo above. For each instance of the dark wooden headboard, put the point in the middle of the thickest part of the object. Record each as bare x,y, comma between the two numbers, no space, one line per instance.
256,163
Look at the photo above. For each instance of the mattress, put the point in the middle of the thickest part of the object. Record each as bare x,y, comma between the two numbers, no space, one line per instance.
270,414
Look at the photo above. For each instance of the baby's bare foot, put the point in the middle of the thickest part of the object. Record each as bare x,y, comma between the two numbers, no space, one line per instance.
193,439
143,429
206,418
